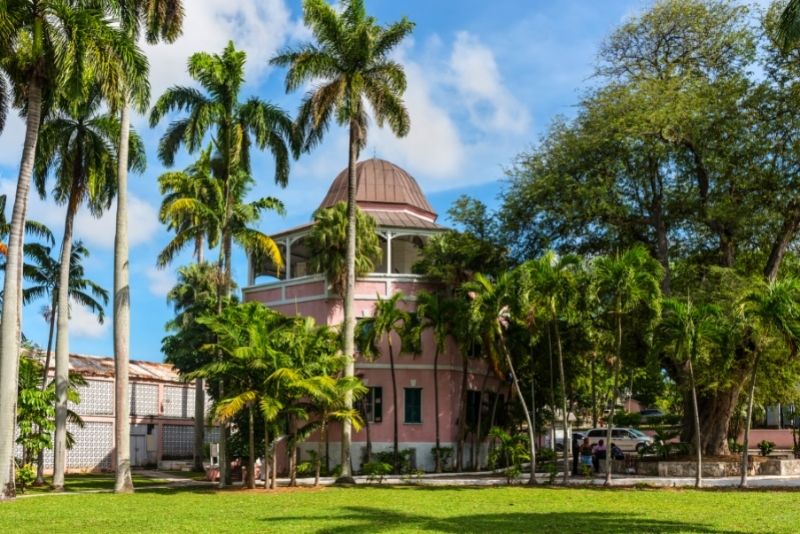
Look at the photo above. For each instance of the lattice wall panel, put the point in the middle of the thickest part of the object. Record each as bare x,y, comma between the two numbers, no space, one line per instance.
178,441
211,434
178,401
97,398
93,447
143,398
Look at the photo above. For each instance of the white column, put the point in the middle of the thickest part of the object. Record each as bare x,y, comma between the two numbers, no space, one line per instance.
288,259
388,253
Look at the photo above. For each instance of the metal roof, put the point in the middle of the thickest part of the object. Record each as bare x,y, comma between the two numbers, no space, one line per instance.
379,181
402,219
104,366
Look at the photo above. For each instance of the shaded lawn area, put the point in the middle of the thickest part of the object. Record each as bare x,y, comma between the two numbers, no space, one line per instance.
409,509
92,482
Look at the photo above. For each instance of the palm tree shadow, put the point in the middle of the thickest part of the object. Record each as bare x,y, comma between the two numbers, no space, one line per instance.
364,519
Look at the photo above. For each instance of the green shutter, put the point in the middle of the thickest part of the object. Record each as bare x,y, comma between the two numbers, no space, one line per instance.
377,405
413,405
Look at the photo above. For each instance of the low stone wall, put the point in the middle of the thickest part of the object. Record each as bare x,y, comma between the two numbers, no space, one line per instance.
711,469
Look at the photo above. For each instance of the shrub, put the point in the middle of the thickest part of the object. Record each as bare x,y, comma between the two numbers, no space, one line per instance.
511,453
735,447
552,472
376,470
766,447
404,460
445,454
546,455
627,419
25,476
306,469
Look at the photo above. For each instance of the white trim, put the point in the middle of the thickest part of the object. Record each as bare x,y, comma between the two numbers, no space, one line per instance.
416,367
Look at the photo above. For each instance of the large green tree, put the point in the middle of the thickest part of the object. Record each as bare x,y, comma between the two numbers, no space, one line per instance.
350,62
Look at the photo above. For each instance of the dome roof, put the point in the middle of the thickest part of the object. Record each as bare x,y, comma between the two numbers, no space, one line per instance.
379,183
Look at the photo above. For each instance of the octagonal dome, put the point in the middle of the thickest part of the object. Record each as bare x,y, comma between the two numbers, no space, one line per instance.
381,184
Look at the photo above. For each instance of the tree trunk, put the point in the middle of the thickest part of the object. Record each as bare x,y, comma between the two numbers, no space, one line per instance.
789,229
436,408
715,410
532,479
748,422
462,418
40,457
318,465
199,424
475,453
552,388
198,248
698,480
11,320
617,365
267,463
349,318
564,412
533,410
122,317
593,379
251,449
395,445
274,481
62,349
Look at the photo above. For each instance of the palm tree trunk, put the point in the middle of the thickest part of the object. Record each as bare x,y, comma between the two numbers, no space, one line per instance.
318,465
349,318
395,445
62,349
698,481
224,464
266,454
11,320
476,440
748,422
198,248
122,317
617,365
436,408
564,412
594,391
462,418
251,449
274,481
532,479
199,423
40,457
552,388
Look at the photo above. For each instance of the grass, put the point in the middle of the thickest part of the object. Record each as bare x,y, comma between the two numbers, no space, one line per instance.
408,509
92,482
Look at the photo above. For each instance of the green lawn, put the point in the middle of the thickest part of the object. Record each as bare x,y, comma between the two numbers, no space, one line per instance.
92,481
371,509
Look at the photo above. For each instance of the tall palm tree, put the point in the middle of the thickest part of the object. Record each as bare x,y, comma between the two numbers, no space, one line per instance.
550,283
490,312
196,182
686,326
350,63
44,272
77,145
436,312
386,321
623,285
327,242
50,48
789,28
773,310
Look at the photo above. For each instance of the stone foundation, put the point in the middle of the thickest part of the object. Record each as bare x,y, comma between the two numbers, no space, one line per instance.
714,469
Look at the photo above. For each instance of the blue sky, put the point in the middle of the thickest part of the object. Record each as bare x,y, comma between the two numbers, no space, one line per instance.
485,80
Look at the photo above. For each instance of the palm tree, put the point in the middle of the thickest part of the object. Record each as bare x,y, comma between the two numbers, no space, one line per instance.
194,295
624,284
685,326
76,145
351,66
550,283
49,50
162,21
327,395
196,182
327,242
773,310
490,313
436,312
789,28
387,319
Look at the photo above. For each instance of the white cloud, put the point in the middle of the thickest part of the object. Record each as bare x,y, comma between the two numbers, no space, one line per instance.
259,27
83,323
433,145
478,81
142,218
160,281
11,140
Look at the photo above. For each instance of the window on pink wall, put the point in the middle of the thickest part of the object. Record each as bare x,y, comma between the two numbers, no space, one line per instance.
371,405
413,405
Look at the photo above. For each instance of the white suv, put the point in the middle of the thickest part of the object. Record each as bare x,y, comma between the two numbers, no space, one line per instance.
627,439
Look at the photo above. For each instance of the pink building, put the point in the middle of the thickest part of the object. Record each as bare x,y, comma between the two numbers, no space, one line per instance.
405,220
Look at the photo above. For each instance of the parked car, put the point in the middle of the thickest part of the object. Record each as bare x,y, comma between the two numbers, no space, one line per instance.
627,439
651,413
